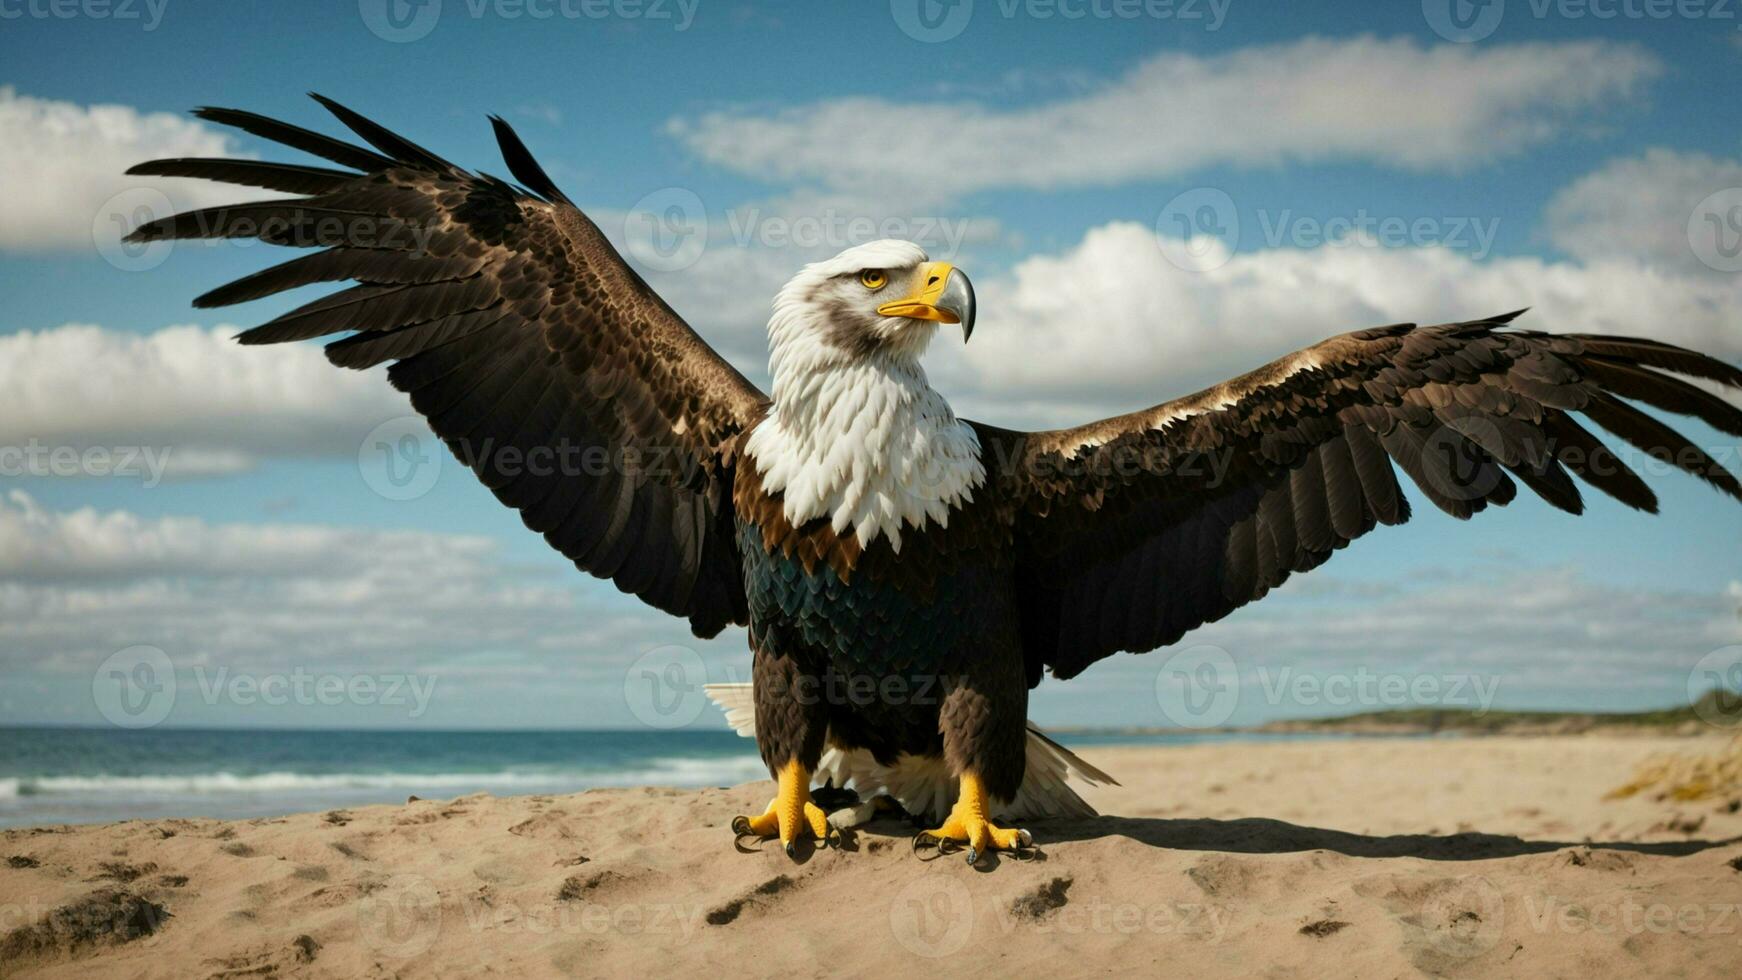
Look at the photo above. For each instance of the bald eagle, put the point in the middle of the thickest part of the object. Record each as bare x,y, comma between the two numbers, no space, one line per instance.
907,576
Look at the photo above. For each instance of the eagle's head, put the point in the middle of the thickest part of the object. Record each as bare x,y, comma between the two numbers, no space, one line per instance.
855,433
882,299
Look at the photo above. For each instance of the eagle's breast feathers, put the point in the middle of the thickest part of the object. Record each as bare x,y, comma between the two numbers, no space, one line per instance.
881,476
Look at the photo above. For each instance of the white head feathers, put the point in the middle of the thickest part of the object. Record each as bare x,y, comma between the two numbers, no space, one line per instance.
856,434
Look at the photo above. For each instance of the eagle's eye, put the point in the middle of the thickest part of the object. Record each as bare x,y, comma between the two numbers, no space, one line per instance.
873,278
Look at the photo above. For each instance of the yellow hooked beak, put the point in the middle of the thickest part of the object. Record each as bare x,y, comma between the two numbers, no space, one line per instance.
942,292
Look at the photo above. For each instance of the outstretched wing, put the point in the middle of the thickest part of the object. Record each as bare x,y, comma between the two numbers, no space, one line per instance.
541,359
1132,530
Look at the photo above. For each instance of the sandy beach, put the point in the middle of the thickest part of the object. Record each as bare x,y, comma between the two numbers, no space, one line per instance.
1367,858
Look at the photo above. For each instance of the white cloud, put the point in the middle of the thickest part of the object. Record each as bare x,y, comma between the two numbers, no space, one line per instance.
1395,102
1641,208
1111,325
77,585
211,404
512,642
65,163
41,545
1530,636
502,641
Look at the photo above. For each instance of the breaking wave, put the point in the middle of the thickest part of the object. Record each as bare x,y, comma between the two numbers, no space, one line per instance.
675,771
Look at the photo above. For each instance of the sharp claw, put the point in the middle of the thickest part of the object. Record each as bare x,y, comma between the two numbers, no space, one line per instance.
1024,838
973,856
791,850
741,826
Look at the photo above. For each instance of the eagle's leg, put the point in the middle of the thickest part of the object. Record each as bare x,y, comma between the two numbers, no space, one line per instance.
985,738
969,823
790,814
790,727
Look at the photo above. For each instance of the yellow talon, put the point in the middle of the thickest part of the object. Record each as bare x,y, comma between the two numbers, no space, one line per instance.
789,813
967,824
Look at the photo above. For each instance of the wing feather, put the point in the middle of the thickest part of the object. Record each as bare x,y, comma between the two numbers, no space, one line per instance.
1302,458
290,178
538,356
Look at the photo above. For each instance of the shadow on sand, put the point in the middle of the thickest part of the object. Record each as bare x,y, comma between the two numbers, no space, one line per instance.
1260,835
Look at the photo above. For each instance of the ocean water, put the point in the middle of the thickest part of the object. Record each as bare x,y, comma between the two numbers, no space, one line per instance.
66,775
87,775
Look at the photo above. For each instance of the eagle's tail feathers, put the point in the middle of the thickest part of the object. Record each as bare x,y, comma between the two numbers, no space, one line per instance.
923,786
738,703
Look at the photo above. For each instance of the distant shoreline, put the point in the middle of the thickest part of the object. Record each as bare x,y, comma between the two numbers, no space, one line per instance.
1688,720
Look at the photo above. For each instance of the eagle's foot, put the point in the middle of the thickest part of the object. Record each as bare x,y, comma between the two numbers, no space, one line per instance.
968,825
791,815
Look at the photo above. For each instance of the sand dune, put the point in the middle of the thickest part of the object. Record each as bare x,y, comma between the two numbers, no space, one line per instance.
1370,858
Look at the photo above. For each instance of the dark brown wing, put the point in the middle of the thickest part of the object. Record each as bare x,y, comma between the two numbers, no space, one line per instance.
1133,530
544,362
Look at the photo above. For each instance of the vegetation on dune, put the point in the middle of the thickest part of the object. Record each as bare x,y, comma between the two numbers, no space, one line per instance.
1712,708
1685,777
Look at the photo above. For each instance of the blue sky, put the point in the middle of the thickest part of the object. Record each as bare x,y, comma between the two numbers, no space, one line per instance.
1560,160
